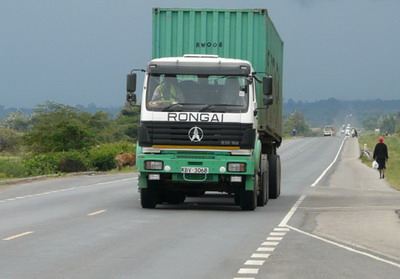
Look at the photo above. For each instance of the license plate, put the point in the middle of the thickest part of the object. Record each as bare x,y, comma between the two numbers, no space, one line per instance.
194,170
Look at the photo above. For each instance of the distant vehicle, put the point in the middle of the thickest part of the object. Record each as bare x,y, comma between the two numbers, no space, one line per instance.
347,131
329,131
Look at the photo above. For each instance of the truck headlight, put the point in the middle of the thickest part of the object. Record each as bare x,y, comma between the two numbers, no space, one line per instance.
237,167
153,165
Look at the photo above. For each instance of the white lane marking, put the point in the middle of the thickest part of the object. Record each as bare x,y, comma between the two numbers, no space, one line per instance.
244,278
355,208
299,201
262,256
270,243
281,229
18,235
333,162
277,233
258,259
254,262
248,271
346,247
291,212
274,238
64,190
265,249
97,212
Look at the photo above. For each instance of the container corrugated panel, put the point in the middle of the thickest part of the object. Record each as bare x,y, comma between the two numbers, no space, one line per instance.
247,34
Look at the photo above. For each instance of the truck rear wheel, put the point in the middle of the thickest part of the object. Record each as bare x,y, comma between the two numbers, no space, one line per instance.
274,176
148,198
262,195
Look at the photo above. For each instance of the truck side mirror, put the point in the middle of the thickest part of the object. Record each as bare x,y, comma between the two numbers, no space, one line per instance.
131,98
267,85
268,100
131,83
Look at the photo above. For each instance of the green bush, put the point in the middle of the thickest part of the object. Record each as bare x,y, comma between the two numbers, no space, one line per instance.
49,163
46,163
58,128
9,140
73,161
102,157
296,121
11,167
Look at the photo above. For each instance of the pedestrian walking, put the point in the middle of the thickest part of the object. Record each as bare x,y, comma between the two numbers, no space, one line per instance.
381,156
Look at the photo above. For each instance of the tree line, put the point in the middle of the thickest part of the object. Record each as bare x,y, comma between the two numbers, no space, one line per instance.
61,138
337,112
368,115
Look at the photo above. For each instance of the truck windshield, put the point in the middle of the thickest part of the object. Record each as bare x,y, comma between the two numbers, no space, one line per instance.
197,93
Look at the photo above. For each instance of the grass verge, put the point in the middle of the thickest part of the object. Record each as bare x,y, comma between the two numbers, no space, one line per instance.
392,172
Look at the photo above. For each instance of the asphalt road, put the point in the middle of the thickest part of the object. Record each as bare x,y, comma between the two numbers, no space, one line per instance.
93,226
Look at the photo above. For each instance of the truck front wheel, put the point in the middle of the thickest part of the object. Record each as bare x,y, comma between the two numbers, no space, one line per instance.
148,198
248,200
263,194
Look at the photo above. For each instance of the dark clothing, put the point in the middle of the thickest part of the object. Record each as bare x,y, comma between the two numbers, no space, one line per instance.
381,155
381,163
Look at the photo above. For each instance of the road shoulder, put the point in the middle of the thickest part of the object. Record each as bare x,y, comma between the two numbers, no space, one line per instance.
355,208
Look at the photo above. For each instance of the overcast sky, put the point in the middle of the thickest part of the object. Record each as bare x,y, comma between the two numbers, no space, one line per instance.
79,52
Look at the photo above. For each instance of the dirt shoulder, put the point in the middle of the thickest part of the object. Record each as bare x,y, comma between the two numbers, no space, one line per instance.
355,207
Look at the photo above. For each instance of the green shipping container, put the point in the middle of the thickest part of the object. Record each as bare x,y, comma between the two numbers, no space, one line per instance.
247,34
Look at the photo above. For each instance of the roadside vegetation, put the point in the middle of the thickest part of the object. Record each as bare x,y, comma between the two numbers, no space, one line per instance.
297,121
392,172
59,139
387,125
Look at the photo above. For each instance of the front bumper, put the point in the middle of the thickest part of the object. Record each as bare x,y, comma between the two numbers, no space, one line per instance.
173,162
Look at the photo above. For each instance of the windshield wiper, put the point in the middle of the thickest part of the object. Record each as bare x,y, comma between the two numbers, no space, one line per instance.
167,108
173,105
218,105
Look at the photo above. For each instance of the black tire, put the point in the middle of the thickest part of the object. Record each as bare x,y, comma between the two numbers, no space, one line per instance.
148,198
237,198
248,200
274,176
195,194
262,198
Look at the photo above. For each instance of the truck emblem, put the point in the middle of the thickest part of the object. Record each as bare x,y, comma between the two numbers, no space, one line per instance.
195,134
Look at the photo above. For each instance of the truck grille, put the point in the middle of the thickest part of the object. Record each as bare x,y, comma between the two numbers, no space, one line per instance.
210,134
